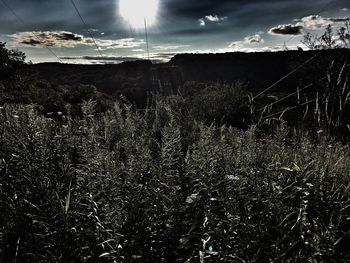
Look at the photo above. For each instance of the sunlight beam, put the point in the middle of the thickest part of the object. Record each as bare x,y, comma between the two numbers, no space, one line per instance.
136,12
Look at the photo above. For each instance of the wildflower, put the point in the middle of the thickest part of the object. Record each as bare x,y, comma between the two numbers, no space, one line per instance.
190,199
232,177
205,222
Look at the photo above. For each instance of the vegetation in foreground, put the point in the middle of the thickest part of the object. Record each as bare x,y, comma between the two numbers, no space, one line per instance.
159,186
85,180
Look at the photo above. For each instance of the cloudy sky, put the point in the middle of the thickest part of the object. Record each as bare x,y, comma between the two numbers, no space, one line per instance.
174,26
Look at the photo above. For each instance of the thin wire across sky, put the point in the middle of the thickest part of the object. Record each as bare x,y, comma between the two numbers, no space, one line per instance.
22,22
87,28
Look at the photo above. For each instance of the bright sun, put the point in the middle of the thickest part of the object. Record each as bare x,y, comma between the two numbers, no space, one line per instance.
136,11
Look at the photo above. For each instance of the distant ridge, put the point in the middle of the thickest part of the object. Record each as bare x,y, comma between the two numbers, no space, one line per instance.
136,78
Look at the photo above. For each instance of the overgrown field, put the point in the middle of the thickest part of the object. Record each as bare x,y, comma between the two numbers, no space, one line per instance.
159,186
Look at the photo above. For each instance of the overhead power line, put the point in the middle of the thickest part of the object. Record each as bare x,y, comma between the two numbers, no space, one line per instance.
86,27
289,109
21,21
321,10
306,87
284,98
287,75
300,105
300,66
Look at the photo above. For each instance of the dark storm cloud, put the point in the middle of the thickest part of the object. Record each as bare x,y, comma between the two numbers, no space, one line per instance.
201,8
51,39
197,9
63,39
286,30
31,42
46,15
59,15
102,14
69,36
188,18
198,30
202,24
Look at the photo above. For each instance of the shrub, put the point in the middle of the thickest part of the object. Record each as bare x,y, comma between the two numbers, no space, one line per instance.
223,104
127,186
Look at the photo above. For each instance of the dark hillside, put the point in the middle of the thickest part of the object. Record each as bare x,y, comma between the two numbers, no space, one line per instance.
129,78
257,70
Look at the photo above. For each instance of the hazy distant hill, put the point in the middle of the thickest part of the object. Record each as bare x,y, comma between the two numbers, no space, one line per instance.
135,79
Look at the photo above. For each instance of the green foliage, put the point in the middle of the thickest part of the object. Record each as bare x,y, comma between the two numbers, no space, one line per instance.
224,104
10,61
159,186
20,85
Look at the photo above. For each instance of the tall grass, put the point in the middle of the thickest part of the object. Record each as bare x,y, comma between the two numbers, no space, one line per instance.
159,186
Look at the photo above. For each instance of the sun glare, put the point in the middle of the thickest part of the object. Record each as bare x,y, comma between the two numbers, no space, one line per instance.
136,12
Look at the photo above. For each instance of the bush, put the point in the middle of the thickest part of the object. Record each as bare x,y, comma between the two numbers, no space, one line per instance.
128,186
223,104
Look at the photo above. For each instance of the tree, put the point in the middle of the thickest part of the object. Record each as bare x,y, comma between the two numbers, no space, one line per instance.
332,99
329,39
10,61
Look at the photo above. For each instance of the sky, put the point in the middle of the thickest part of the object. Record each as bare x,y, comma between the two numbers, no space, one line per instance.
44,29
